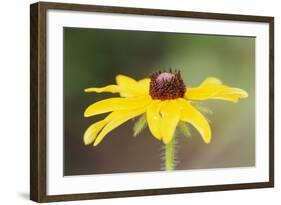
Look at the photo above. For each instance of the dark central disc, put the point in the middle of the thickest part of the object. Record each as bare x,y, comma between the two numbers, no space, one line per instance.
166,85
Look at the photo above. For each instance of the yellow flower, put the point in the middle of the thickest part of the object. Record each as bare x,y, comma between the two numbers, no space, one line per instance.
164,99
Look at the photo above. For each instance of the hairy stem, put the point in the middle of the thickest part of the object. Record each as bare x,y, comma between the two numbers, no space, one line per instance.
170,155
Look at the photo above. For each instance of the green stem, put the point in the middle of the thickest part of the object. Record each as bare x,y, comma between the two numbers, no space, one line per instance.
170,155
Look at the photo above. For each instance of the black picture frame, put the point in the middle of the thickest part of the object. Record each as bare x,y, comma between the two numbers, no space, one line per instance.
38,100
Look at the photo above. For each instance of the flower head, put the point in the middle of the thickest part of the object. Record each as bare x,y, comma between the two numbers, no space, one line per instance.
166,86
163,98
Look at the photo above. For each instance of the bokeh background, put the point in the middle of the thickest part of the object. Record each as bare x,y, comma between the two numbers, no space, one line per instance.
93,57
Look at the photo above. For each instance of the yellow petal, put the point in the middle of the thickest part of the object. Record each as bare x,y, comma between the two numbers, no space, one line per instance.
116,119
125,81
212,88
92,132
211,80
191,115
153,118
109,88
170,113
143,86
131,88
112,104
126,86
232,96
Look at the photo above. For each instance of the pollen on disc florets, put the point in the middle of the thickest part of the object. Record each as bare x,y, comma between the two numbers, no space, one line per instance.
166,85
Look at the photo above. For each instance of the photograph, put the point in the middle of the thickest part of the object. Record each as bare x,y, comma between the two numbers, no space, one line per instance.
141,101
136,102
128,102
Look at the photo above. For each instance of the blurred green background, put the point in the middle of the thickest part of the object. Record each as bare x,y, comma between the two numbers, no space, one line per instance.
93,57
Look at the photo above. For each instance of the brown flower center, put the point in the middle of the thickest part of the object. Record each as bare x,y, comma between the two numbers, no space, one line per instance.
166,85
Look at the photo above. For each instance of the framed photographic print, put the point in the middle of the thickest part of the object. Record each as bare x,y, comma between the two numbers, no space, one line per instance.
133,102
